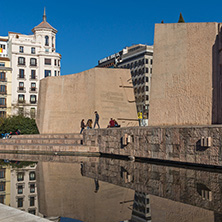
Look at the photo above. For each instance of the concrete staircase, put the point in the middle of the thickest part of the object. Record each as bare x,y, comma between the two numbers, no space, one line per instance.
47,143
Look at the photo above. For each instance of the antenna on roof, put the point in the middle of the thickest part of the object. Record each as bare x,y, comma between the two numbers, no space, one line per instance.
44,16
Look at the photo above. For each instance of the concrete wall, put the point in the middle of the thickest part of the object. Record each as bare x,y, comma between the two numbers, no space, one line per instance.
185,61
180,144
64,101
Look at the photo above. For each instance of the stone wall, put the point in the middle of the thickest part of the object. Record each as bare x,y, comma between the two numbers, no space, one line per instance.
194,187
180,144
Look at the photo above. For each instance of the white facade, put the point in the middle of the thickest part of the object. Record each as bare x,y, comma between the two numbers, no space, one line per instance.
3,46
33,57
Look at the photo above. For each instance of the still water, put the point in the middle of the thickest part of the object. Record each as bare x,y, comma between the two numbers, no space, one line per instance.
92,189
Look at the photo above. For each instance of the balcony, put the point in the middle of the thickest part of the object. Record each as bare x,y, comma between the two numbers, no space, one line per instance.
21,90
21,101
33,90
3,93
3,79
21,77
3,106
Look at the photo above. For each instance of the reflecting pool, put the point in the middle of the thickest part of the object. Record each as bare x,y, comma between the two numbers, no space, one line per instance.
92,189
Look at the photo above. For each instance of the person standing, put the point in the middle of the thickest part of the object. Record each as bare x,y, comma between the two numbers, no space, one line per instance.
96,120
82,126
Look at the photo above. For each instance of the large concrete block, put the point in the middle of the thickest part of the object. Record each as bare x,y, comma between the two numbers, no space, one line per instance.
186,77
65,100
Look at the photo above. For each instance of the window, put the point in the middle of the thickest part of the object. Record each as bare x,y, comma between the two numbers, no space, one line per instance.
147,88
20,189
21,111
53,42
21,61
32,211
147,61
21,49
147,97
55,62
2,89
147,79
47,61
47,73
20,176
32,201
33,50
32,175
20,202
21,73
2,76
32,115
33,86
58,73
21,98
147,70
2,64
32,188
46,40
33,74
2,46
2,186
2,198
151,61
2,102
2,173
151,70
33,99
33,62
58,62
2,114
21,85
55,73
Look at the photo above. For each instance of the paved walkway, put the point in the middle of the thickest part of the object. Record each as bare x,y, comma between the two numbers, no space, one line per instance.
10,214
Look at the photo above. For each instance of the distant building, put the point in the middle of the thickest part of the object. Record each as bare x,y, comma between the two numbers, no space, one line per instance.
139,59
5,78
33,57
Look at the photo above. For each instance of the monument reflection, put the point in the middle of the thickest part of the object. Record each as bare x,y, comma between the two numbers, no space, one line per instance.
102,189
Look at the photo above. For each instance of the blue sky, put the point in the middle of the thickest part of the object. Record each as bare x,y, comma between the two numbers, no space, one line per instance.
91,30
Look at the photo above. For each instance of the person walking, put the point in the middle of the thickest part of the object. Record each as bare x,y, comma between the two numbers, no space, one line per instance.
82,125
96,120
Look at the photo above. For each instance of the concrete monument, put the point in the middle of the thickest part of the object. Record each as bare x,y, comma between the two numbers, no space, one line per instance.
65,100
187,68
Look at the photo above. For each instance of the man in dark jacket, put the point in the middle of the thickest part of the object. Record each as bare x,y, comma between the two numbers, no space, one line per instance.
96,120
82,126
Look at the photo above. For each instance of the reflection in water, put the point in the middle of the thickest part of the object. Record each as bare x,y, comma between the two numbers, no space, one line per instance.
101,189
18,186
65,192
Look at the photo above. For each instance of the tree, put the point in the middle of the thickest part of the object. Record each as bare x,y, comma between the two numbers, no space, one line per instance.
25,124
181,20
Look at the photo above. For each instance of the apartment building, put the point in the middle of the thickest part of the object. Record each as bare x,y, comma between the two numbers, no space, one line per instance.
5,78
139,59
33,57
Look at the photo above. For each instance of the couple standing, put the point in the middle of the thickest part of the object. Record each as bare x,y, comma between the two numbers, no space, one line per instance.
95,123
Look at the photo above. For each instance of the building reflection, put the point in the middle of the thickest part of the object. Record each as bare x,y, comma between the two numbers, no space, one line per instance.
18,186
141,208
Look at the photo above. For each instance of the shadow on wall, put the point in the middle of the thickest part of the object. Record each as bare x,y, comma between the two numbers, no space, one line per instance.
217,78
